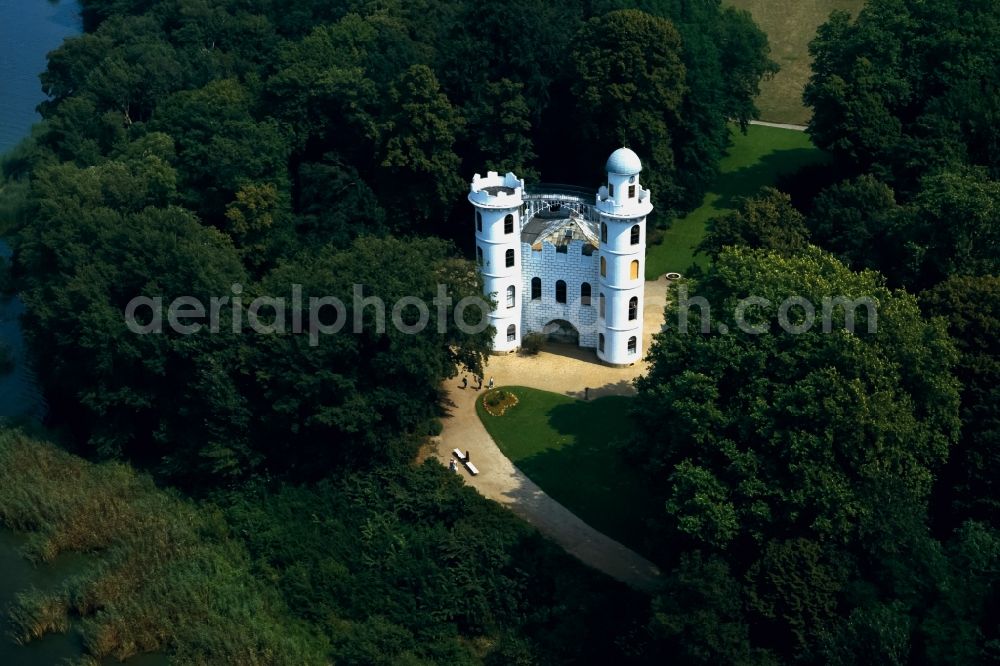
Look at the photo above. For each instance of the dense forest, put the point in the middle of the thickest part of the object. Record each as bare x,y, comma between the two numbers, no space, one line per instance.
831,497
323,146
221,148
827,497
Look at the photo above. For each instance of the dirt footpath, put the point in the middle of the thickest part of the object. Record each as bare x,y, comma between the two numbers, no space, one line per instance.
560,369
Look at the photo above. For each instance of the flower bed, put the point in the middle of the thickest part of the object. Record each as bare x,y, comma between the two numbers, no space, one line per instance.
498,401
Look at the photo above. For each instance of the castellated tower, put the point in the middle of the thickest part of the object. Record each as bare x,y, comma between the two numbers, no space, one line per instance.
497,200
622,206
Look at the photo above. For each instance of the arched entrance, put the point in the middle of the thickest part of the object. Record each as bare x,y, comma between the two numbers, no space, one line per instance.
561,331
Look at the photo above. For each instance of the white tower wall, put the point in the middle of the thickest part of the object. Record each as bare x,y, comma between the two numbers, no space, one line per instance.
495,197
627,207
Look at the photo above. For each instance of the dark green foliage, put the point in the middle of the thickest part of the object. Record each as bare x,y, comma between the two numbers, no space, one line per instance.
950,226
410,565
99,238
408,98
628,82
351,397
499,126
804,461
420,136
765,221
854,220
699,616
909,87
967,487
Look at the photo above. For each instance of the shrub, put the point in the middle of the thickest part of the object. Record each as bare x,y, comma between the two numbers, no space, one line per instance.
532,343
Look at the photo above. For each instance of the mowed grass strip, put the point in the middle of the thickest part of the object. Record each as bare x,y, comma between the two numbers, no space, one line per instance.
756,159
568,447
790,26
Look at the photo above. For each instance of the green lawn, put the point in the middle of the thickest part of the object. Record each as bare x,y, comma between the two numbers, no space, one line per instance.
790,26
566,446
756,159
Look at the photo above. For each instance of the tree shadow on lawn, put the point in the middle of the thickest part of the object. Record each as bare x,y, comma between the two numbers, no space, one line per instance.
623,387
586,470
746,181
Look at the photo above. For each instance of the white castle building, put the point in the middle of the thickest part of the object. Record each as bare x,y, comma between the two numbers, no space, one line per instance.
563,262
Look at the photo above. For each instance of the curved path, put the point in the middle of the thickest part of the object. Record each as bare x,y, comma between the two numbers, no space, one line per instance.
764,123
564,370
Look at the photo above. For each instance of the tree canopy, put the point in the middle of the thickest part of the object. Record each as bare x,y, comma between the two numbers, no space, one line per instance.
798,465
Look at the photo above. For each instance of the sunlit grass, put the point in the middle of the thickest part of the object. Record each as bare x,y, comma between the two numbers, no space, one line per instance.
790,26
756,159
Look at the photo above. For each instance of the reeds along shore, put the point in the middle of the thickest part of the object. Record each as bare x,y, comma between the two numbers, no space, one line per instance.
164,576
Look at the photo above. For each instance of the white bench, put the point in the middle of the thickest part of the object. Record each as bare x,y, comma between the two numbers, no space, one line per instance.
459,454
472,468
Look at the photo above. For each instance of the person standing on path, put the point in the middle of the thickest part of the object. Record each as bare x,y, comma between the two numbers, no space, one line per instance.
453,466
491,384
465,382
479,380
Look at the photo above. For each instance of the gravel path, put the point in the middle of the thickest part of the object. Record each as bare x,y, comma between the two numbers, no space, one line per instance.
569,371
762,123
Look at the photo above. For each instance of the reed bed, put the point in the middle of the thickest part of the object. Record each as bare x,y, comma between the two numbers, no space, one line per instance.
166,576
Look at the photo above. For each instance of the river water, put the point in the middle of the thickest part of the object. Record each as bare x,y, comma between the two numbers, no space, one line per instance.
28,30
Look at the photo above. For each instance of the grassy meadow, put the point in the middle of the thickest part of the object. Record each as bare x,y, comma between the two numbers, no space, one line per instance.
790,26
756,159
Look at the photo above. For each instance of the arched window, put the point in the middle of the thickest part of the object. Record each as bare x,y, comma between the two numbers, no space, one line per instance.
510,296
536,288
611,189
635,234
600,306
511,333
631,345
600,342
585,293
604,232
634,269
604,267
633,308
510,258
560,291
479,221
479,255
508,224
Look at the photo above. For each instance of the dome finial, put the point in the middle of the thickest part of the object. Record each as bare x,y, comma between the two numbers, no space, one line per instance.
624,162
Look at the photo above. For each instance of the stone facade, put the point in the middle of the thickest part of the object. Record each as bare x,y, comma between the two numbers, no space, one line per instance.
574,268
553,238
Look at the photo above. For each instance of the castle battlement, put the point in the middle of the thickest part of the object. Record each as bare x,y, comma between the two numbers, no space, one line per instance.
557,264
496,191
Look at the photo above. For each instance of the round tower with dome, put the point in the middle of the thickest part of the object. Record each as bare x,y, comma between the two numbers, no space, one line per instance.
622,205
497,200
560,262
